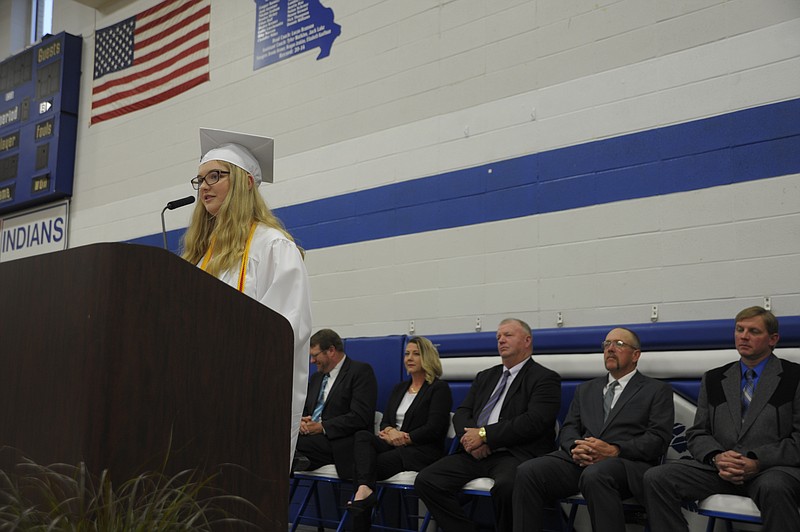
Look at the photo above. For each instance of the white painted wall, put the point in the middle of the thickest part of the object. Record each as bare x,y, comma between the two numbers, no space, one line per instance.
14,37
404,82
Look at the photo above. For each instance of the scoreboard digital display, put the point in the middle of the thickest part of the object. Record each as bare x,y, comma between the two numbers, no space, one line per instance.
39,95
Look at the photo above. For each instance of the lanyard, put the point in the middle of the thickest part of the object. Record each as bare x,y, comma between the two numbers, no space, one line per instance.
243,268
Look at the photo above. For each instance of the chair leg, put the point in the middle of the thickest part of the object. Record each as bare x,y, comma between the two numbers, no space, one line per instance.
303,505
426,521
573,513
342,521
562,517
318,508
377,513
405,511
406,520
409,507
341,515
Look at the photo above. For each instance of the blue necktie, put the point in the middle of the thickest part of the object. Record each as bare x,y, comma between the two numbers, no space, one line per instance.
747,390
483,417
317,414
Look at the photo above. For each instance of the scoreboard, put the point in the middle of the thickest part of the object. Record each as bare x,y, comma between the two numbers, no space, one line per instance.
39,96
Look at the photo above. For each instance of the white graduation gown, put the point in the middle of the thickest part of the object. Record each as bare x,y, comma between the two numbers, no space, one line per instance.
276,276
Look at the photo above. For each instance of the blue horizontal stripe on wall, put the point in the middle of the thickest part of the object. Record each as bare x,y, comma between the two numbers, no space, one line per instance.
747,145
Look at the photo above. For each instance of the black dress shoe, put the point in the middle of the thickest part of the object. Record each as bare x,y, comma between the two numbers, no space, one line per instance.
363,505
300,463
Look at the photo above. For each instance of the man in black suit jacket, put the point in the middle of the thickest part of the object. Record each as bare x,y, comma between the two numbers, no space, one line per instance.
508,416
618,426
334,413
748,447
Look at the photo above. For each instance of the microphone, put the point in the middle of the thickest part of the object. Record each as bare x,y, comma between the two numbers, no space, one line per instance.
174,204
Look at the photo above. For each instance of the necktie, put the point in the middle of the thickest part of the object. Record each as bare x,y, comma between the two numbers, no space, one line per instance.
608,398
747,390
483,417
317,414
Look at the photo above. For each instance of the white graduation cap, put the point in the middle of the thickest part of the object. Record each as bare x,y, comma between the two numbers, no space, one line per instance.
253,153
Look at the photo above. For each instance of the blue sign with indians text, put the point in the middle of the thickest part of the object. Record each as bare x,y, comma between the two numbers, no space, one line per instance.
285,28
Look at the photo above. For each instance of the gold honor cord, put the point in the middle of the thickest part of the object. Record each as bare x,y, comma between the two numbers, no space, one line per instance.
207,258
243,268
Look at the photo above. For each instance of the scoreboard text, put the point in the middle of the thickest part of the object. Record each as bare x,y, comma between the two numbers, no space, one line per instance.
39,93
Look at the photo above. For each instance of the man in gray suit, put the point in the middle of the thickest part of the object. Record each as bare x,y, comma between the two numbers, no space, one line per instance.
746,435
618,426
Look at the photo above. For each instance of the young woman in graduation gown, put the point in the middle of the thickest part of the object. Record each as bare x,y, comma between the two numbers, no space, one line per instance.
235,237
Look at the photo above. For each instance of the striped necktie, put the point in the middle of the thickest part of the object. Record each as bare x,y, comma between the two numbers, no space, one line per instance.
317,414
747,390
483,417
608,398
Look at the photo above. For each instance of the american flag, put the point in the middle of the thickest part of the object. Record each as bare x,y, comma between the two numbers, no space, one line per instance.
151,57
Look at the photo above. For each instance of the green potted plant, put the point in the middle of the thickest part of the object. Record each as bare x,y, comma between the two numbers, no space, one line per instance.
64,497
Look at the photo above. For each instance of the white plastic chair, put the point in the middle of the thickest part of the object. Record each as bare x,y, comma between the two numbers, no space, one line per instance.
325,474
730,508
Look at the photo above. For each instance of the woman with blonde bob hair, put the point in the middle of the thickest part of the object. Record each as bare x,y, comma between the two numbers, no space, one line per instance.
413,429
235,237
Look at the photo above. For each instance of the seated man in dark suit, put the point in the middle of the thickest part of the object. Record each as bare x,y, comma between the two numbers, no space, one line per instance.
746,435
618,426
507,417
340,402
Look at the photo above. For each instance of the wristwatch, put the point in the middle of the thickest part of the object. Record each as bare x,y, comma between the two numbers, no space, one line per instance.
482,433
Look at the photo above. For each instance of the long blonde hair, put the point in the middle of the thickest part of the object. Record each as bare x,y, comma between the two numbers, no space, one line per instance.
230,228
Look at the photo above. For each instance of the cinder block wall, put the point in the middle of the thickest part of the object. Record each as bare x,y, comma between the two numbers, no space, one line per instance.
455,162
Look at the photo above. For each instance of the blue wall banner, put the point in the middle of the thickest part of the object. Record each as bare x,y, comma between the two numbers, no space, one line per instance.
285,28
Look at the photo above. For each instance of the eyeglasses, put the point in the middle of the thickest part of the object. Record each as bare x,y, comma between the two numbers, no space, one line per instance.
619,343
318,353
210,178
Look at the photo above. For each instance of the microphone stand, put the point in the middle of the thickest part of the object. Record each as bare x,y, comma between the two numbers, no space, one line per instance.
174,204
163,226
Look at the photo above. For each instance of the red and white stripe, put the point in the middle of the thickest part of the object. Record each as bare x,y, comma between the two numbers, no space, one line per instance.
171,55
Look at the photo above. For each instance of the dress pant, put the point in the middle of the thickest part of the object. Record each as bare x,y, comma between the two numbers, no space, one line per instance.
542,481
775,492
439,484
374,459
319,450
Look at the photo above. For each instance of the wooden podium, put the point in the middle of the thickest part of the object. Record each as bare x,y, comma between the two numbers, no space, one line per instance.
115,354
